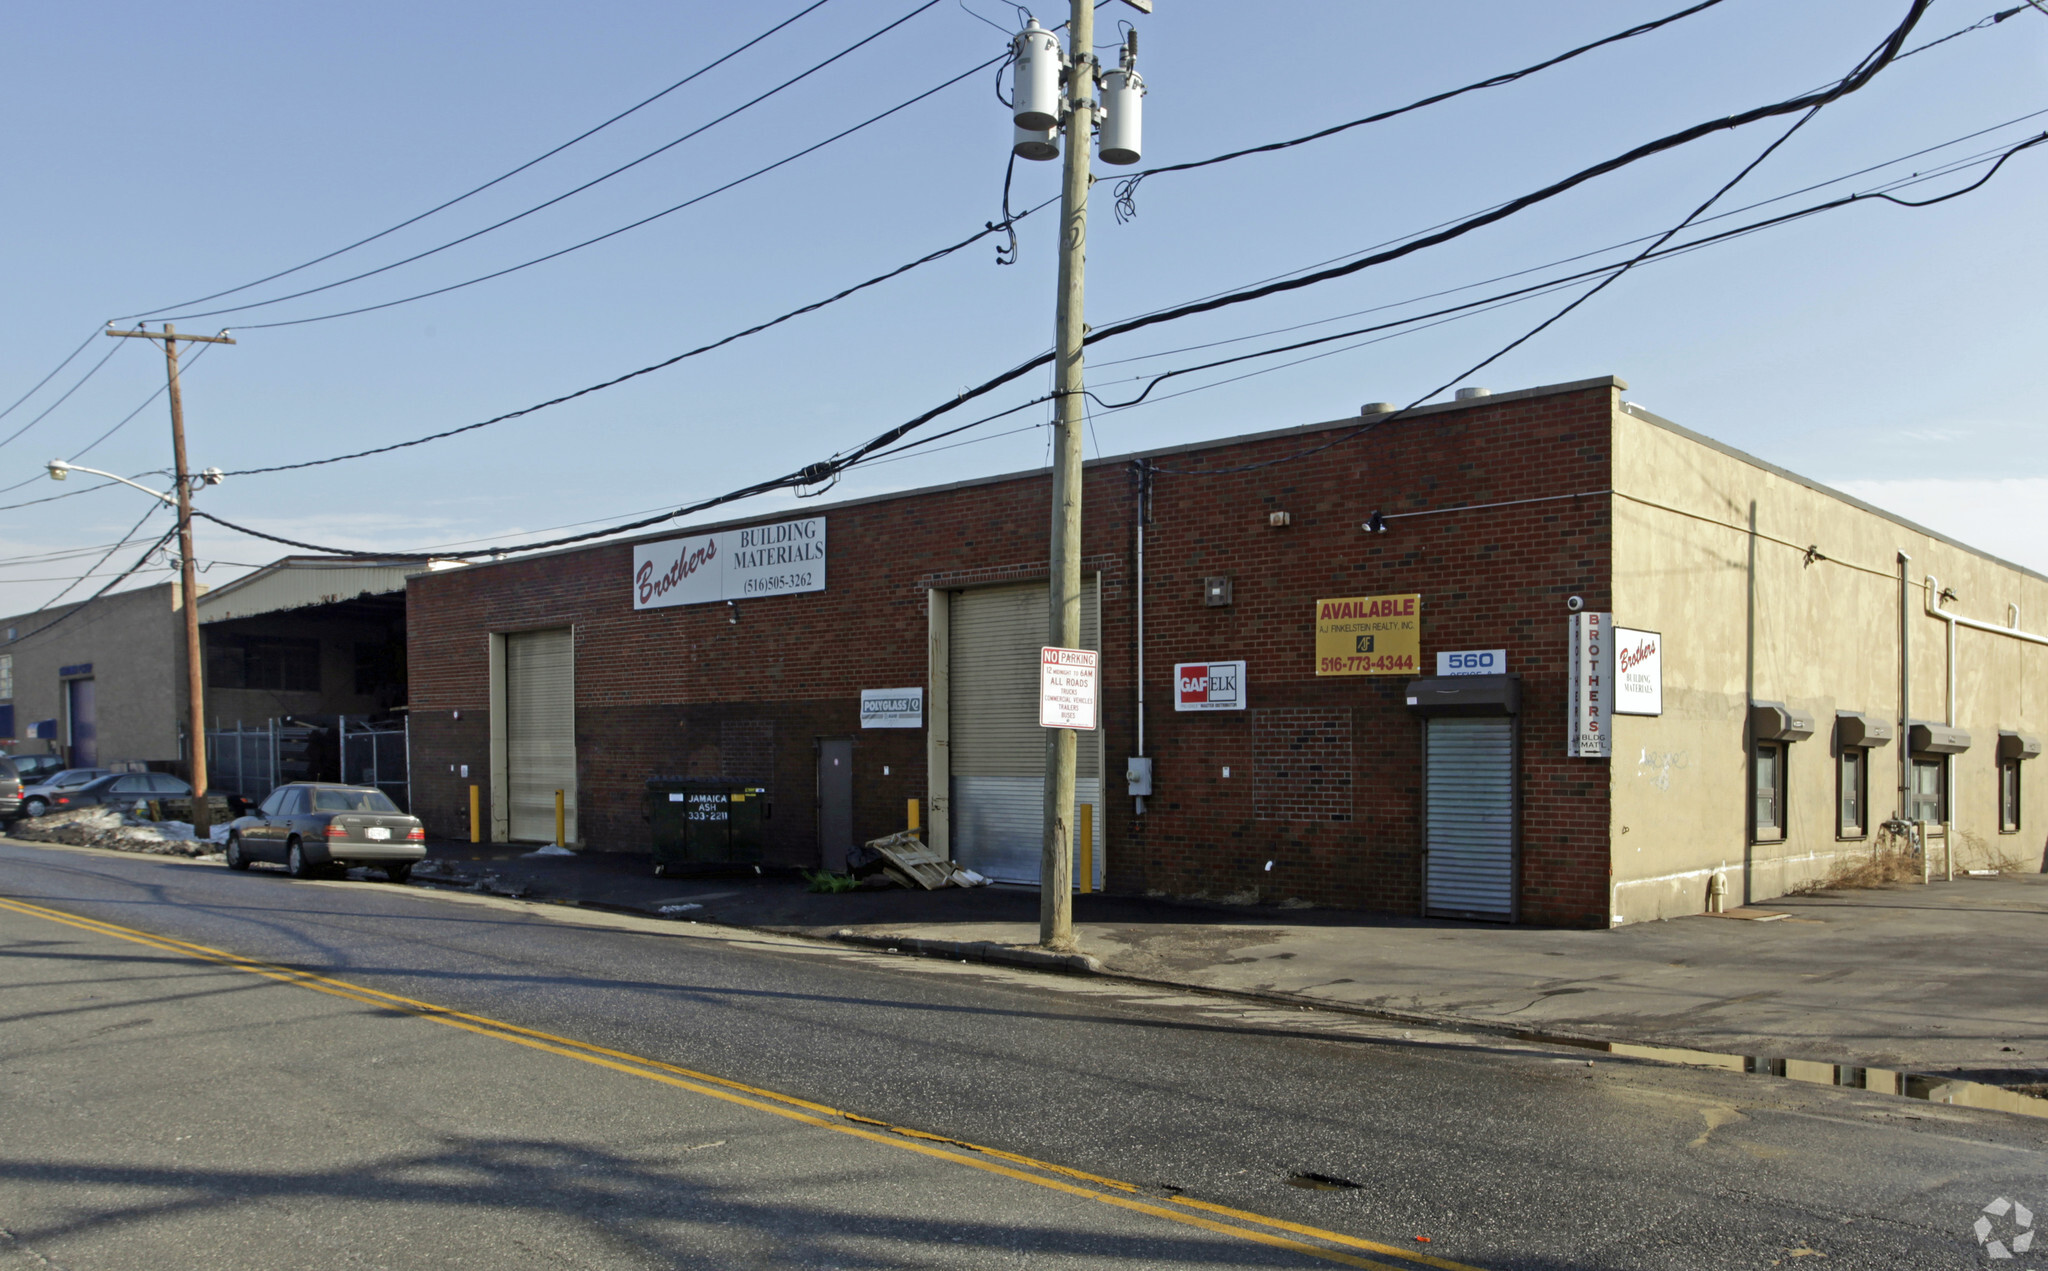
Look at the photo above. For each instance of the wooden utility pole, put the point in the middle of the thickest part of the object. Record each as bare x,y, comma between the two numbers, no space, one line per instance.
195,687
1056,864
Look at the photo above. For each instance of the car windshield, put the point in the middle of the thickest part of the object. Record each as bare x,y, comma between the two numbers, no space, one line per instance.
352,801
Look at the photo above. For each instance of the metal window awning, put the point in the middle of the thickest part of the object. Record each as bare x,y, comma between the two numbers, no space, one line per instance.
1936,739
1775,721
2012,745
1466,695
1855,729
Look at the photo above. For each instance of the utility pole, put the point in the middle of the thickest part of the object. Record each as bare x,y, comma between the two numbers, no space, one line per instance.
195,689
1056,866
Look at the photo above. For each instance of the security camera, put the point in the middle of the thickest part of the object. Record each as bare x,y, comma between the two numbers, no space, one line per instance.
1575,603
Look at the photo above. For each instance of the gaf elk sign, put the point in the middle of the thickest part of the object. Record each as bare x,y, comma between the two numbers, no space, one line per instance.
1208,686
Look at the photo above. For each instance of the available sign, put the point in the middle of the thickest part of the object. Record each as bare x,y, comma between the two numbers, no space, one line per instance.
761,560
892,708
1589,733
1369,635
1473,662
1638,672
1069,683
1208,686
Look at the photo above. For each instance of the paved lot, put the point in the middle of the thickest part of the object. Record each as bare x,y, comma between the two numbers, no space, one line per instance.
169,1106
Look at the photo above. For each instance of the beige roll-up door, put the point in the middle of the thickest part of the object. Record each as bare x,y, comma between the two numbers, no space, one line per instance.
540,732
998,749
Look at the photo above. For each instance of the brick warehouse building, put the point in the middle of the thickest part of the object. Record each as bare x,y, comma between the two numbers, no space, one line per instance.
1516,525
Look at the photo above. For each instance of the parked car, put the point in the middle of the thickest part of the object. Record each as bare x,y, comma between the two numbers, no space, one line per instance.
314,828
53,791
121,790
35,768
10,788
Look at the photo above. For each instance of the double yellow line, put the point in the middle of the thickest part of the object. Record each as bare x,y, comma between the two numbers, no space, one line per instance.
1024,1169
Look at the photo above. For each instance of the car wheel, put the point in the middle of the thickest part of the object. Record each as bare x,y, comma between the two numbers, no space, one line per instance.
296,864
398,871
34,808
235,859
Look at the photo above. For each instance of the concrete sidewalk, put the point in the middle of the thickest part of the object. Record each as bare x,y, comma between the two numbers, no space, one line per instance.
1949,978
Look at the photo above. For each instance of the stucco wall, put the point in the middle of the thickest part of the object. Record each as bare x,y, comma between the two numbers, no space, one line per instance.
135,643
1824,637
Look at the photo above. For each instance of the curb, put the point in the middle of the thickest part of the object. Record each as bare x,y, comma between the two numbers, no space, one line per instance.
979,951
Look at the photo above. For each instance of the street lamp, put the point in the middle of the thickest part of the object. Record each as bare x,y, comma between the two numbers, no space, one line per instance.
179,497
59,470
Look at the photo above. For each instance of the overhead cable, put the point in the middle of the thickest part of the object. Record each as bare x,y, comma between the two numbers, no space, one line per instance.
595,181
883,446
998,227
645,220
52,375
1126,189
818,472
503,176
66,396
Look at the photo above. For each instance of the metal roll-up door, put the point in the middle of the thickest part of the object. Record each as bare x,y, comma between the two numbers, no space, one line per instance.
1471,825
540,732
997,746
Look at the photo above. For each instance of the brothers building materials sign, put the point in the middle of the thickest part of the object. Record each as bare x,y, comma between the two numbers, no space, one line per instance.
761,560
1590,732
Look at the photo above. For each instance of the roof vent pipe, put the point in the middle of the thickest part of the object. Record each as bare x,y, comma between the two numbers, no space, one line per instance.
1467,394
1377,408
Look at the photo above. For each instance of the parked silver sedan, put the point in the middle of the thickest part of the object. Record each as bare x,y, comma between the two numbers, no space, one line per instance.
313,829
55,789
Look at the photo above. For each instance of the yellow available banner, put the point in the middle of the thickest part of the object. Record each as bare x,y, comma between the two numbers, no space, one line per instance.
1369,635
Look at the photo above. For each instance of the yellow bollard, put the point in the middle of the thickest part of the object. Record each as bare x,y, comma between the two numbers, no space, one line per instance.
476,824
1085,876
913,816
560,820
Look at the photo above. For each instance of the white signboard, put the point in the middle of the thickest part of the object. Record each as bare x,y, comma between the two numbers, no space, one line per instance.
1638,672
1588,731
761,560
1069,681
892,708
1208,686
1473,662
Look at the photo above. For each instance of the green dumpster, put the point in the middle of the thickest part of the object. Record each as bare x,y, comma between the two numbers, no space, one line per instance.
702,824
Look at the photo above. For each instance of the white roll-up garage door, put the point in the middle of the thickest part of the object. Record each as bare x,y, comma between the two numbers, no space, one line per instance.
540,732
1472,816
998,748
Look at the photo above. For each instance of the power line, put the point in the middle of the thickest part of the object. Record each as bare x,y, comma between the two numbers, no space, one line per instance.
817,473
1126,190
926,259
881,446
112,583
504,176
645,220
52,375
1944,168
61,400
161,389
595,181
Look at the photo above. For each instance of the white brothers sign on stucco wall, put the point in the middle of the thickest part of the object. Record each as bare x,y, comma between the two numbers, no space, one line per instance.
1638,672
760,560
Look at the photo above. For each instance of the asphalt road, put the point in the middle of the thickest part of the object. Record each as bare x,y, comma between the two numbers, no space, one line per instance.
207,1069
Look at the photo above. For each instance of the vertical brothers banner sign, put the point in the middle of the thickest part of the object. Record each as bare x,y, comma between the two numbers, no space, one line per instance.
1590,733
761,560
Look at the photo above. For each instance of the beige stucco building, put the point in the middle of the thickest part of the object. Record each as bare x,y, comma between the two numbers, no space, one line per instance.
1772,590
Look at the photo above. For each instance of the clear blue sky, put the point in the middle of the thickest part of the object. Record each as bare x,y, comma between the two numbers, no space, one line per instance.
163,153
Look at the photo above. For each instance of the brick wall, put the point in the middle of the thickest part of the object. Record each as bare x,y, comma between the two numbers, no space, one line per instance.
1325,771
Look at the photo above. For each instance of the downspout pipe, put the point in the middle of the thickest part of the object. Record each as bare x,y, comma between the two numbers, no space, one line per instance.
1935,610
1905,689
1144,513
